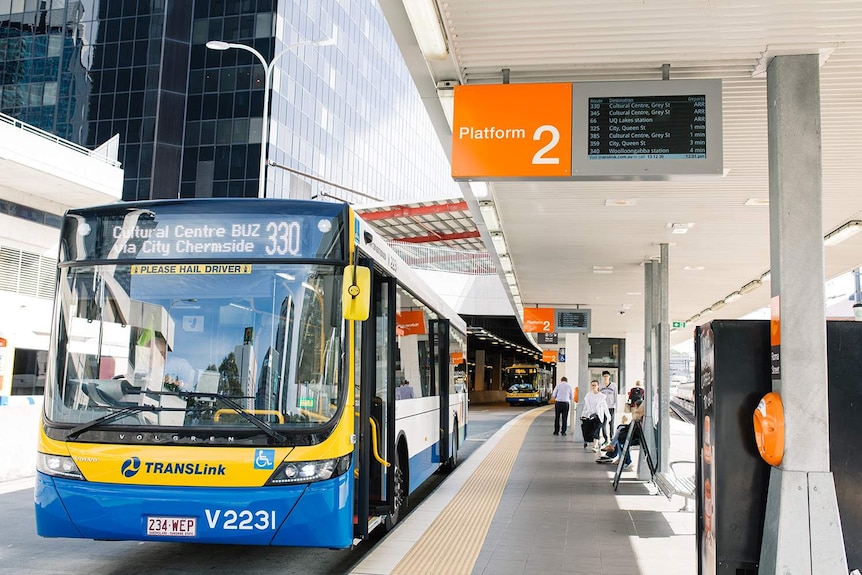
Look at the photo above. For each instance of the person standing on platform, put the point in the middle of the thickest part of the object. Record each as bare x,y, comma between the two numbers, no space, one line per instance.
562,395
595,413
609,390
404,391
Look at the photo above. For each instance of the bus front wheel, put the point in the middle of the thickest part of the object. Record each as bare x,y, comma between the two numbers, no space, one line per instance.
398,504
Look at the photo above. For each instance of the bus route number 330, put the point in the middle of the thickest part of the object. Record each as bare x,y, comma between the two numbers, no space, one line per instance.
227,520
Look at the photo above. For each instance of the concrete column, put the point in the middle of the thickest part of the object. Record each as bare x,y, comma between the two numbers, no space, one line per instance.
572,343
634,359
496,372
663,322
802,532
649,372
479,374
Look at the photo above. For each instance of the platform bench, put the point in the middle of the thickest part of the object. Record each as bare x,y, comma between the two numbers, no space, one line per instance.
676,483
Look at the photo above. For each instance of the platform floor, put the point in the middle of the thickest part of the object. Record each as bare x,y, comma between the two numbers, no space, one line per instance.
528,502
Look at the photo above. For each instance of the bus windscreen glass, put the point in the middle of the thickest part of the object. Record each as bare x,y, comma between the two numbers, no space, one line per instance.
192,345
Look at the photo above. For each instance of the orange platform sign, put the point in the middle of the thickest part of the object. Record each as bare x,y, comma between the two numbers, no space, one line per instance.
519,131
549,356
538,319
456,357
410,323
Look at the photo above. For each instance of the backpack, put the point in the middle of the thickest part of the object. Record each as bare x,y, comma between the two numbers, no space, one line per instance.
636,396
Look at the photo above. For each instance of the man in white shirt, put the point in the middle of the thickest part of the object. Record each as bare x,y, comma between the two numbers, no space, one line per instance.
404,391
562,395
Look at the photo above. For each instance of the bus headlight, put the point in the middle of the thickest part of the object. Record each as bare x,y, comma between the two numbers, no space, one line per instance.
293,472
58,466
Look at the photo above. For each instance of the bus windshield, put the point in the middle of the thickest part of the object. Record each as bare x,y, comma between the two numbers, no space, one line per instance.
520,380
201,345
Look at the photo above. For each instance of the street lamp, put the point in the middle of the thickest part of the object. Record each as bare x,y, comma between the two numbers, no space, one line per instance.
268,68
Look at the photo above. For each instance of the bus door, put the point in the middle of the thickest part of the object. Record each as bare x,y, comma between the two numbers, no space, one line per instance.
376,407
440,380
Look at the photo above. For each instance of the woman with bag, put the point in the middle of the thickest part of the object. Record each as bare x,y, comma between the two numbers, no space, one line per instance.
595,413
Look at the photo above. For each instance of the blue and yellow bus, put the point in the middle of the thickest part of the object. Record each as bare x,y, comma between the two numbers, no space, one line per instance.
527,384
225,371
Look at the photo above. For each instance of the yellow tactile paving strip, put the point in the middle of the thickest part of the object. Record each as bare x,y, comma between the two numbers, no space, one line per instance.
453,541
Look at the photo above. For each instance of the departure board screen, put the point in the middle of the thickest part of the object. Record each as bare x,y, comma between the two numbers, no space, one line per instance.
647,128
572,320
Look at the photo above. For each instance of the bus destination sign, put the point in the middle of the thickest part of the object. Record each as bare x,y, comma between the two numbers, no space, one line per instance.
647,127
173,236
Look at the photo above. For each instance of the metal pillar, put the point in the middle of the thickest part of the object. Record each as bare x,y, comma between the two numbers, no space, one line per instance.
802,531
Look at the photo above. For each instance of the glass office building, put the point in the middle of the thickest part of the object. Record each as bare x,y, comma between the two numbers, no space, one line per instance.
346,120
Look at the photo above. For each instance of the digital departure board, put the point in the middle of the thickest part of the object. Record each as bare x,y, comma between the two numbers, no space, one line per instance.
648,129
572,320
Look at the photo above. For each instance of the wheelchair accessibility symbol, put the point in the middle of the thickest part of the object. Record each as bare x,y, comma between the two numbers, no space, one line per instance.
264,459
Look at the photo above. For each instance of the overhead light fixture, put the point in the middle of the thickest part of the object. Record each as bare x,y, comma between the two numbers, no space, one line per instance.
767,276
633,293
426,26
834,237
620,202
679,228
603,269
717,305
757,202
694,268
446,96
732,297
506,263
489,214
479,189
499,243
750,287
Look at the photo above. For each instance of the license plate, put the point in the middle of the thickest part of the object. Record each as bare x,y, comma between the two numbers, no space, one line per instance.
172,526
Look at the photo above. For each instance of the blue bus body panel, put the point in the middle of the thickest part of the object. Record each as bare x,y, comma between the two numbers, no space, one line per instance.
310,515
423,465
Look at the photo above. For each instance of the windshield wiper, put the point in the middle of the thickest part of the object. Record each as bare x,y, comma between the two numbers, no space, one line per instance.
77,431
254,420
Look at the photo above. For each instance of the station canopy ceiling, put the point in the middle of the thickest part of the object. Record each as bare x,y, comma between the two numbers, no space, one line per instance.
443,223
585,242
448,224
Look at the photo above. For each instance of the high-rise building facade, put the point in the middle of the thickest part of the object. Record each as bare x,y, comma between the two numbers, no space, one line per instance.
346,120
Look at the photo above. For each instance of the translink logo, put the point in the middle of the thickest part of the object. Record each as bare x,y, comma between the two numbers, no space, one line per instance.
183,468
132,465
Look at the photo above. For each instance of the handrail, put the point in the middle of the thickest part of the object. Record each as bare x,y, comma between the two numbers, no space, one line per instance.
374,450
274,412
56,139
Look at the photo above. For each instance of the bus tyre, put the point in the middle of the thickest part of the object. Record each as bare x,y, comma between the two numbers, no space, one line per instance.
452,463
399,493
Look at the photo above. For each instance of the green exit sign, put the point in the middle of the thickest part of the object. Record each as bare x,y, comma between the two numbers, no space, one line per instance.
677,324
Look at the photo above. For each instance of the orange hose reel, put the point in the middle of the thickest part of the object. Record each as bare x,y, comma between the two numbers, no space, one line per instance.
769,428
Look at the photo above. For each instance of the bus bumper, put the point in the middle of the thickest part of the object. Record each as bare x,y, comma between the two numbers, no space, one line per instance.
309,515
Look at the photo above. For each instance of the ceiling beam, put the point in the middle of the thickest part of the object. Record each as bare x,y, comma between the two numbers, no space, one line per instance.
437,237
406,212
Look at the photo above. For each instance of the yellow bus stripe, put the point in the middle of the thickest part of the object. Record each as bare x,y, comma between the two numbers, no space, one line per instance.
452,542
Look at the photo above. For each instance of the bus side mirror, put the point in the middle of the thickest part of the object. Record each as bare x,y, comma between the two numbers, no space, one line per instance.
356,293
